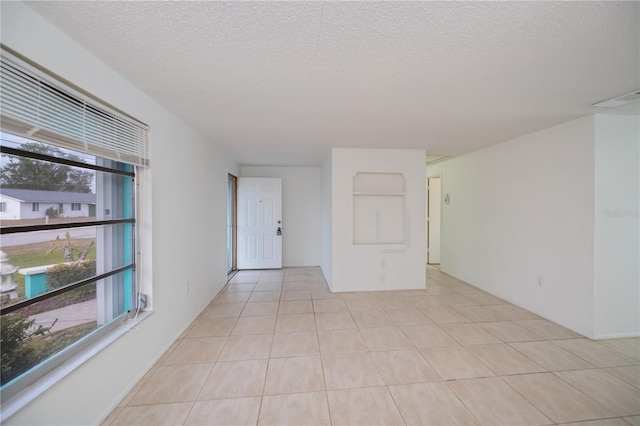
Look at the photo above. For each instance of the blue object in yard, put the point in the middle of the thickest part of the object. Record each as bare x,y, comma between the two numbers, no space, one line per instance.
35,284
35,280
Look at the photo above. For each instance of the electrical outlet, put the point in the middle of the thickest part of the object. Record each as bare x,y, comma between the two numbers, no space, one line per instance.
540,280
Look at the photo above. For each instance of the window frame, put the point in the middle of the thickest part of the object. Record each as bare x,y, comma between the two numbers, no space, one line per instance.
35,207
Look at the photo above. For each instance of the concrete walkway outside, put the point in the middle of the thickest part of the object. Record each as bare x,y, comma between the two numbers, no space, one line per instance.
69,316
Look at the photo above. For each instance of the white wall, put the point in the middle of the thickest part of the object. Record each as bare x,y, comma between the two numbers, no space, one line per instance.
367,267
67,212
301,211
617,191
523,209
188,253
12,208
327,228
26,210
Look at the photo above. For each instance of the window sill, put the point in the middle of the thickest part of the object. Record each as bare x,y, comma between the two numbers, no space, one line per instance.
17,402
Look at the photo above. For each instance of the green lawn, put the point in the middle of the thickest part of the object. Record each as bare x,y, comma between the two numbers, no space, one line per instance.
30,255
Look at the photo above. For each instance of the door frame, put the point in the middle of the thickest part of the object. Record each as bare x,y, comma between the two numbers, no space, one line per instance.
232,213
430,220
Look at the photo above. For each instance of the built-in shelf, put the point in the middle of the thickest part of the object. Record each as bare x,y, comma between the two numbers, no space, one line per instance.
379,201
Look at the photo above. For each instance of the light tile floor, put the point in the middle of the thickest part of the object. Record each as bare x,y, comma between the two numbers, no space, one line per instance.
277,348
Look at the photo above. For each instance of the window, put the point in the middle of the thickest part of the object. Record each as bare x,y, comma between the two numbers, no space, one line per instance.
84,153
92,259
3,207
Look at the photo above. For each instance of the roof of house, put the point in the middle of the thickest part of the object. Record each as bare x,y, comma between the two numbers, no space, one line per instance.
35,196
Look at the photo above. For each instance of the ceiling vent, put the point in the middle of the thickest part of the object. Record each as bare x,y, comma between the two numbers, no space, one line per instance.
620,100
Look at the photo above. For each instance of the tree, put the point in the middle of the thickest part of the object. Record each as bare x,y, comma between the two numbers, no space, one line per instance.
25,173
68,248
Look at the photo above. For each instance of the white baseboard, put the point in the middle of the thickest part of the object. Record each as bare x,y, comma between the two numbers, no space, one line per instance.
616,336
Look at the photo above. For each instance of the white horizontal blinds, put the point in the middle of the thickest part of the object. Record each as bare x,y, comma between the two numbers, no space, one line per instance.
35,105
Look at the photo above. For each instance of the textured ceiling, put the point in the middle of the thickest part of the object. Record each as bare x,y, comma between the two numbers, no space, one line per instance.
282,82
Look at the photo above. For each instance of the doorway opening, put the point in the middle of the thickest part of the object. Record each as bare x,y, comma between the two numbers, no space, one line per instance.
434,197
232,209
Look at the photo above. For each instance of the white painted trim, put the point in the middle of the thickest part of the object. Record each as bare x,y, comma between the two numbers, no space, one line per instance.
615,336
36,269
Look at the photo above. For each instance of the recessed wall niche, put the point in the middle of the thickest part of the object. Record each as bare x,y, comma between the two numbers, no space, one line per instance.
379,203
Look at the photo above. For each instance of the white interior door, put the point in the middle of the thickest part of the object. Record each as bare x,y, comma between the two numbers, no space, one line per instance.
433,219
259,223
